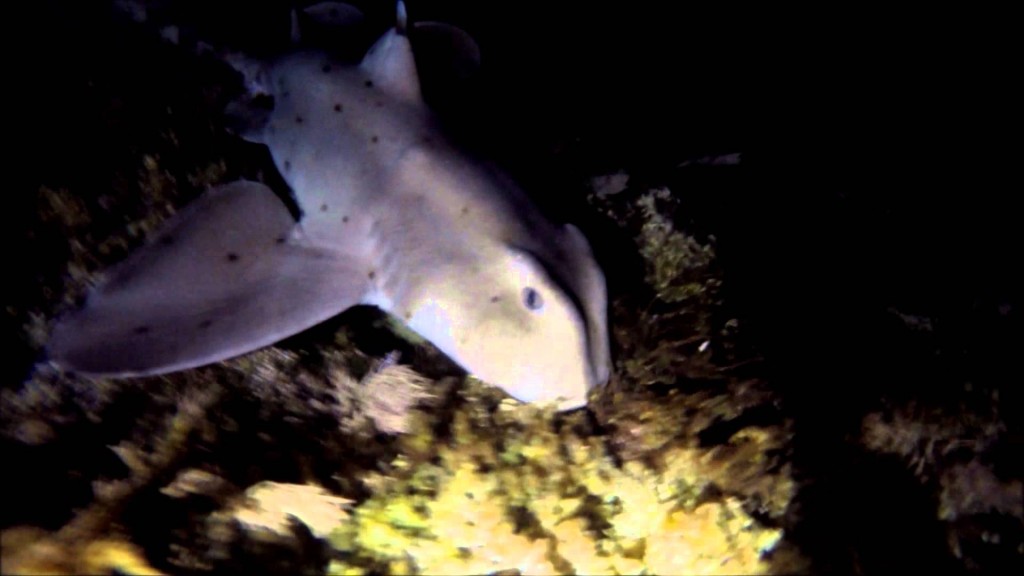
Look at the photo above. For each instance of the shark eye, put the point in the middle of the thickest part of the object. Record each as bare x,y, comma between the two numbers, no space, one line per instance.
532,299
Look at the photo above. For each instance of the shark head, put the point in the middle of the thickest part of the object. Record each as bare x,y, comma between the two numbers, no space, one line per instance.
517,328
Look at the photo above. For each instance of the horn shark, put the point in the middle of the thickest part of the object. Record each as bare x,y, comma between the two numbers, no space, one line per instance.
392,215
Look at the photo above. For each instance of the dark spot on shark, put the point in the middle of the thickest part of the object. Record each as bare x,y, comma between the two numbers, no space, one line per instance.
298,119
141,330
374,139
465,210
205,324
232,257
326,68
287,165
372,274
337,107
280,240
407,315
344,219
378,103
368,83
495,298
323,207
286,94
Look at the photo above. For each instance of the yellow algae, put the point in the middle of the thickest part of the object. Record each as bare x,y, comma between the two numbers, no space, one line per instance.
521,493
575,545
715,538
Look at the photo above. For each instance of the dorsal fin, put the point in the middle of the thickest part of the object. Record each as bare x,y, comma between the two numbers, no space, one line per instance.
334,14
296,30
390,63
448,48
330,26
448,60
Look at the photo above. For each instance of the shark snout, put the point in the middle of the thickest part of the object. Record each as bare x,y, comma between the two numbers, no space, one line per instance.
566,386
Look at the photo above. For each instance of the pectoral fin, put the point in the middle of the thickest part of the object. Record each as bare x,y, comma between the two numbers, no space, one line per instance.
227,275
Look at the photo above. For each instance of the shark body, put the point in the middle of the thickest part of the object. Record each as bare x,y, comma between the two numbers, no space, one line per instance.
393,215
